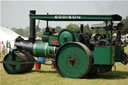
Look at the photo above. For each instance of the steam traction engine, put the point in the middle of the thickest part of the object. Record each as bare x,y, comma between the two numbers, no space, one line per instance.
74,53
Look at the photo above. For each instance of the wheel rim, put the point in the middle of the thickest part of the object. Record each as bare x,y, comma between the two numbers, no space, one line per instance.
72,61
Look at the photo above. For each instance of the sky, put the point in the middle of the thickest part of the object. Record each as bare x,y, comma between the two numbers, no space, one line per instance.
16,13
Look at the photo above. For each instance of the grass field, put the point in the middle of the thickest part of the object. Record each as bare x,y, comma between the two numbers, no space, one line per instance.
48,76
126,50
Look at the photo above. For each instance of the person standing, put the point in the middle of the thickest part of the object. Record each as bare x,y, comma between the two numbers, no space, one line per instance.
3,48
7,46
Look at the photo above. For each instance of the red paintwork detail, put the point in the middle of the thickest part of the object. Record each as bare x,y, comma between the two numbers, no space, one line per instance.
54,42
52,66
72,59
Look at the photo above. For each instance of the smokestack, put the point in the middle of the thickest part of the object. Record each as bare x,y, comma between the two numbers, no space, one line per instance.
32,27
81,28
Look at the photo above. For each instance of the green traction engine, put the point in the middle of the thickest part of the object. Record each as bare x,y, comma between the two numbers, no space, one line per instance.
75,54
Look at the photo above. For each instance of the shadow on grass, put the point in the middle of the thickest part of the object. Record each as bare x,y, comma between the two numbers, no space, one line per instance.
40,71
110,75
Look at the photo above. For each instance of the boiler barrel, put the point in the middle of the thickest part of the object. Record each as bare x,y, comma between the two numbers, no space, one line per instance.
38,49
43,50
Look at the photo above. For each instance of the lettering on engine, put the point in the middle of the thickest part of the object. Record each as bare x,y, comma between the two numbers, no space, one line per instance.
67,17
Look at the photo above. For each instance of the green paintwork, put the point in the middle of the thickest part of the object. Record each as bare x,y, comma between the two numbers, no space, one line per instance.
106,43
18,68
13,69
43,50
104,55
79,69
77,17
76,37
53,41
45,36
65,36
118,53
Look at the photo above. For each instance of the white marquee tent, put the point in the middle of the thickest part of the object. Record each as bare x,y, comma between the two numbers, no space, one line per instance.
7,34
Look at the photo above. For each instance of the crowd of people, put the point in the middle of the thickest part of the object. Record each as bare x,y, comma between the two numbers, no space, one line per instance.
4,48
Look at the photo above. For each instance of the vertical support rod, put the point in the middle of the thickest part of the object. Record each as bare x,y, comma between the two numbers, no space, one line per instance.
111,31
81,28
47,28
106,33
32,27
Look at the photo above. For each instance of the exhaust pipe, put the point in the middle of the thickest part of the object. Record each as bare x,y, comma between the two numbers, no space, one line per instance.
32,35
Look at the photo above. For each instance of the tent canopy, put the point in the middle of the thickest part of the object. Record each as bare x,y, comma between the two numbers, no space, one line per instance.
7,34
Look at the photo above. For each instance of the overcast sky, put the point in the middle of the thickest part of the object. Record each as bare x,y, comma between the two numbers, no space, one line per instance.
15,13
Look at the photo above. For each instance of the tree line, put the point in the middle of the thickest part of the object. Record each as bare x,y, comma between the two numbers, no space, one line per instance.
39,31
71,27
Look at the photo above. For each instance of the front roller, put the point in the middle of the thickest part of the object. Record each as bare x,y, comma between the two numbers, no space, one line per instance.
73,60
17,57
13,69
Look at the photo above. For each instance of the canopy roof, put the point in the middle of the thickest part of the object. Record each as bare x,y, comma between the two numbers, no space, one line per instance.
101,26
58,17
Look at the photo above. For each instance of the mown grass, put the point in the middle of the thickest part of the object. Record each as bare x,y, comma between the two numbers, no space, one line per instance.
126,49
48,76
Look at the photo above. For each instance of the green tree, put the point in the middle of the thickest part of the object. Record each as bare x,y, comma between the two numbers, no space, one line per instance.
125,27
98,31
58,29
14,29
87,29
73,27
26,31
19,31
